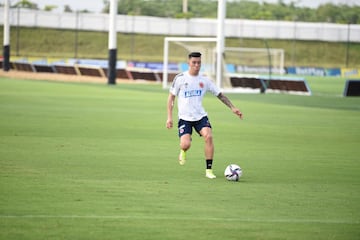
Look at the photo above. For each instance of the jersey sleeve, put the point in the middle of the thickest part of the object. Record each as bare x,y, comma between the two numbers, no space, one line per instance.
213,88
175,86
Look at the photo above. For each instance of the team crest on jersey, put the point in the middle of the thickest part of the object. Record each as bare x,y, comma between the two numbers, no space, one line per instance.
201,84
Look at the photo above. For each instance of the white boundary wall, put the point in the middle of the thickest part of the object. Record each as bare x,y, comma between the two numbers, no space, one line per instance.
185,27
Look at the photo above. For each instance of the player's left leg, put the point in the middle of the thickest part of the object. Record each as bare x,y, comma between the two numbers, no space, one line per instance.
206,133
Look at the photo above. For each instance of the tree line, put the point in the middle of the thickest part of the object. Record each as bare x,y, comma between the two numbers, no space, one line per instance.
241,9
236,9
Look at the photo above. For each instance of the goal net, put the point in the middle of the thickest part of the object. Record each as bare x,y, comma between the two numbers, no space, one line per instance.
255,60
235,61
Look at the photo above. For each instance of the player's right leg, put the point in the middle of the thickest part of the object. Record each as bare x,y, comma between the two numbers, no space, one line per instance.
185,131
185,143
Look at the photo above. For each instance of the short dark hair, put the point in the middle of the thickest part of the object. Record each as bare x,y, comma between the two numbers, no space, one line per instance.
194,54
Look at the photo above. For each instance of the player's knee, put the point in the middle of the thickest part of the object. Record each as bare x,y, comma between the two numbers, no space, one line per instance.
208,138
185,145
185,142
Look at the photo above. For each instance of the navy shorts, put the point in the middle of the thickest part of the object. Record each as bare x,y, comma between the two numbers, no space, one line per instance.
185,127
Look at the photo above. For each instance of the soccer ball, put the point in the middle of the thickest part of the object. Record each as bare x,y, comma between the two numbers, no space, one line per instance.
233,172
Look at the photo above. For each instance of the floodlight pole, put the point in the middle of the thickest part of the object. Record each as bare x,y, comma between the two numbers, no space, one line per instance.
112,42
220,40
6,46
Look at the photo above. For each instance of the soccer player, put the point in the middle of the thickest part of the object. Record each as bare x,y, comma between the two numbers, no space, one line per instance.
190,88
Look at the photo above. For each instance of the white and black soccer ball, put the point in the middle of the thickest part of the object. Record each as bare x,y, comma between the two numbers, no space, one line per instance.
233,172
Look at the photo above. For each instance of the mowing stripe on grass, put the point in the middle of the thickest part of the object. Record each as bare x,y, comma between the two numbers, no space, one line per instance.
127,217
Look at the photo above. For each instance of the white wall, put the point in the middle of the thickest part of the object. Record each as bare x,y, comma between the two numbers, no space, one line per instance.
182,27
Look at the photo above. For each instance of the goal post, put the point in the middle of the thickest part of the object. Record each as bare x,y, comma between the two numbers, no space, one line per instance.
185,45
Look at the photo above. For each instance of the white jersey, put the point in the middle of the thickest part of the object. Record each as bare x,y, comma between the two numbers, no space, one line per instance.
190,91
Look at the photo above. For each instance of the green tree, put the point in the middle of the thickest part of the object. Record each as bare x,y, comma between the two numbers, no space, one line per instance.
241,9
350,15
26,4
49,8
327,13
67,8
130,7
106,6
244,10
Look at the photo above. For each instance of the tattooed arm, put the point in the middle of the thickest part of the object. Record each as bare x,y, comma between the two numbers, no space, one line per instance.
228,103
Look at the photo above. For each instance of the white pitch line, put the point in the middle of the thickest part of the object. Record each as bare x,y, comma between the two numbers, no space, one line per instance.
126,217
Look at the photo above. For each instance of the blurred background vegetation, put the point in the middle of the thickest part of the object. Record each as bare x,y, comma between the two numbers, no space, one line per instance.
241,9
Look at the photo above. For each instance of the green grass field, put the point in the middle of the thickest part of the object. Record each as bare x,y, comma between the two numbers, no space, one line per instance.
90,161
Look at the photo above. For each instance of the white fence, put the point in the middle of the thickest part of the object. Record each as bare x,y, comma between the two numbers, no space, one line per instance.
239,28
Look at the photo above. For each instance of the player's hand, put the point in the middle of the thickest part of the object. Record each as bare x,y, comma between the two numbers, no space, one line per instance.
169,123
237,112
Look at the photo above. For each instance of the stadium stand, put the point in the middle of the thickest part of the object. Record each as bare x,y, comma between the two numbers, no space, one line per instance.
171,75
65,69
273,83
237,82
352,88
22,66
84,70
246,82
90,71
120,73
144,75
44,68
